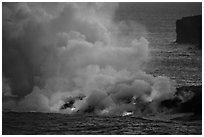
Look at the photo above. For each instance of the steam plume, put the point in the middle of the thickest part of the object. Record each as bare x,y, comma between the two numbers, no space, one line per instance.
58,53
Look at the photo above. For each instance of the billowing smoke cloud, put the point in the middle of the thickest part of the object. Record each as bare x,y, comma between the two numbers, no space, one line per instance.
74,58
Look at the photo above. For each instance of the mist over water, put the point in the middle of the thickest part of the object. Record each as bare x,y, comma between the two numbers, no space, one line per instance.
54,53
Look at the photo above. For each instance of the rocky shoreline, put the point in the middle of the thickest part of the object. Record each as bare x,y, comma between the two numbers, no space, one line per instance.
188,99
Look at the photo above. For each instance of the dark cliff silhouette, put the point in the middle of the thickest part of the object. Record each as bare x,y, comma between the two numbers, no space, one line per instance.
189,30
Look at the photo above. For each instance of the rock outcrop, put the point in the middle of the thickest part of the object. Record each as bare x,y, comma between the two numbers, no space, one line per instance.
189,30
188,99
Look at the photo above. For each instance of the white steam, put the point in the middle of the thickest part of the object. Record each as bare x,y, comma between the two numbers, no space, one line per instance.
69,50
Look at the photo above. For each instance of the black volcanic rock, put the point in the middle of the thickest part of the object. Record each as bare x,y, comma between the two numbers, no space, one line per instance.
189,30
194,104
188,99
69,102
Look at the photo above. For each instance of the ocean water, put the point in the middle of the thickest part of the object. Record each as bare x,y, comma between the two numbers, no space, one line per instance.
182,63
45,123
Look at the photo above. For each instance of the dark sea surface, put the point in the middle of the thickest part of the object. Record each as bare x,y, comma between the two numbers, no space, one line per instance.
182,63
39,123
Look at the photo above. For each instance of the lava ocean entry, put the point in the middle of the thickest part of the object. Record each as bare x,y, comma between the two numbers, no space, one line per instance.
75,58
